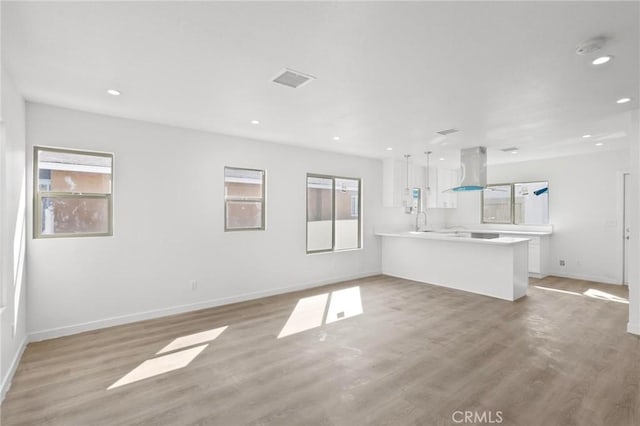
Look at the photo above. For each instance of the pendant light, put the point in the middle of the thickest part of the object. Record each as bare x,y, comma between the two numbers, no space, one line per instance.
428,187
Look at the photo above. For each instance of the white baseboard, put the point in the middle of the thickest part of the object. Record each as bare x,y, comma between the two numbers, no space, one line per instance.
633,328
594,278
6,380
537,275
157,313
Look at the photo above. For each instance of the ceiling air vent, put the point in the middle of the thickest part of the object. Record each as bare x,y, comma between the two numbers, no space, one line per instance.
291,78
447,132
513,148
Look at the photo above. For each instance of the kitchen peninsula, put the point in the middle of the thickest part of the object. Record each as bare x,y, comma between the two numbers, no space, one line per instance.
495,267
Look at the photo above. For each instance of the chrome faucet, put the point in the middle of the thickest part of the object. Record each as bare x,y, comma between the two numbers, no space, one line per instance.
421,213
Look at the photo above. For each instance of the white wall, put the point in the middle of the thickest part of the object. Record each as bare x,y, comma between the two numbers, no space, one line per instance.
634,243
168,227
12,219
584,203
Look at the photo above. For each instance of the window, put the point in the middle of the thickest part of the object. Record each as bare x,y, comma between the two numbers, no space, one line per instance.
243,199
496,204
333,213
525,203
354,205
531,203
72,193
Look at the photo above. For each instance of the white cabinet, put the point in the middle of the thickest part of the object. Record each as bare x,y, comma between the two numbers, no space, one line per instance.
390,181
394,179
534,255
538,253
440,180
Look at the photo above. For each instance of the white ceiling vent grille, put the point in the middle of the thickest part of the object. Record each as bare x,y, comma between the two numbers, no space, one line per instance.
447,132
513,148
292,78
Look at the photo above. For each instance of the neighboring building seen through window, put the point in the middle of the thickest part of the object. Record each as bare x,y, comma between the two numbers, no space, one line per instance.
73,192
244,191
333,213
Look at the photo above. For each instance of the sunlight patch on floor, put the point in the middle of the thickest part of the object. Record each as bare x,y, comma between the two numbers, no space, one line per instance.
592,293
177,359
557,290
309,312
597,294
156,366
344,304
192,339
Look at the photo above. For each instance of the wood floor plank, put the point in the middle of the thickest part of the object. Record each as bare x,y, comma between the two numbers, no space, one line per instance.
417,354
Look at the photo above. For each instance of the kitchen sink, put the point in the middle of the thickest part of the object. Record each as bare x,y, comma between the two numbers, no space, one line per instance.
484,235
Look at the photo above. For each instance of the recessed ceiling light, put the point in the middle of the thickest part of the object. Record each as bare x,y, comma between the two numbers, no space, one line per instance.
599,144
113,92
389,149
336,138
602,60
441,158
586,136
623,100
255,122
514,152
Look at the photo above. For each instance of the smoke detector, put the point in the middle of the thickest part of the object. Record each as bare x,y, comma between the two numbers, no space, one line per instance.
591,45
292,78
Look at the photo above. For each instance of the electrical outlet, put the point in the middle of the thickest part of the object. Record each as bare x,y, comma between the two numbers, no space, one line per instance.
194,285
562,263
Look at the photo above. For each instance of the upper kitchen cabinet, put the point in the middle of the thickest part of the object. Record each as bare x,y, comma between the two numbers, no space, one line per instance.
394,178
440,180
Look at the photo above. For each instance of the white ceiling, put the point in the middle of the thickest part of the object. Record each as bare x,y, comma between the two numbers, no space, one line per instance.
389,74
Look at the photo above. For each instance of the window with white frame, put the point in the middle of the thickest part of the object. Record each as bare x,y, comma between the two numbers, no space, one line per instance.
521,203
333,213
244,199
72,193
497,204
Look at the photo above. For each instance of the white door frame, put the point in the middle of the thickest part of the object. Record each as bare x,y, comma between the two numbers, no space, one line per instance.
620,223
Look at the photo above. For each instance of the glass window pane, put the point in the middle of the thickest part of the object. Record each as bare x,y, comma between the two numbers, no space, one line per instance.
74,172
496,202
243,183
244,214
74,215
531,203
347,213
319,213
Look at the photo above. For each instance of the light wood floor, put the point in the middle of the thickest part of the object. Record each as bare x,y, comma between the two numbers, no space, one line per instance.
417,354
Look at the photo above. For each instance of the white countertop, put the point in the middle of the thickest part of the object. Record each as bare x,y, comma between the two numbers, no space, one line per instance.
500,231
454,236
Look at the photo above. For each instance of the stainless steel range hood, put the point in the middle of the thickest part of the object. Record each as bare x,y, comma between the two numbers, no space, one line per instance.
473,164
